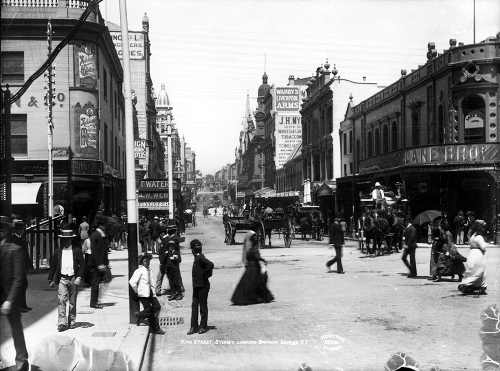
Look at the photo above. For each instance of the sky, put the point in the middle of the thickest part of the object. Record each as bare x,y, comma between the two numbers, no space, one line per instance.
211,53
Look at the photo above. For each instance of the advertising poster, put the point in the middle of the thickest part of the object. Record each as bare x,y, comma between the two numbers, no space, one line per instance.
287,99
85,126
140,149
288,135
136,44
86,65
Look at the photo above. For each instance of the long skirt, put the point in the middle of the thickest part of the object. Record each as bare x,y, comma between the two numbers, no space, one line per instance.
252,288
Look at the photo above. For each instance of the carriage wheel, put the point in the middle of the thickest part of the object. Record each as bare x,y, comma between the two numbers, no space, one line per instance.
261,233
292,231
287,238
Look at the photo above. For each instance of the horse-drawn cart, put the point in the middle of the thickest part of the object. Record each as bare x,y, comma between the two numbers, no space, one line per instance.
306,220
233,224
278,223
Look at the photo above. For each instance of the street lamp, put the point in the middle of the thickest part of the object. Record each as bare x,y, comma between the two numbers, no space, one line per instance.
170,175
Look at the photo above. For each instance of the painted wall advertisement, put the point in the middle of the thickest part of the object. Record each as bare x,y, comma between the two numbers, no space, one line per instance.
287,99
288,133
85,126
140,149
85,65
136,44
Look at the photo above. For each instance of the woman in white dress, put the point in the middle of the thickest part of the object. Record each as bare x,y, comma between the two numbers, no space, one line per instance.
475,275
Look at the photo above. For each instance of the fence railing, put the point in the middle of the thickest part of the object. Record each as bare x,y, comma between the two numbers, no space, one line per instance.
46,3
42,241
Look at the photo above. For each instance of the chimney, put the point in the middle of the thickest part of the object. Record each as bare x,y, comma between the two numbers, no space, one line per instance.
291,80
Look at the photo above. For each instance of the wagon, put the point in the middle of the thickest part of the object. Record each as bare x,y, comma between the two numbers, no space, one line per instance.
278,223
234,224
306,221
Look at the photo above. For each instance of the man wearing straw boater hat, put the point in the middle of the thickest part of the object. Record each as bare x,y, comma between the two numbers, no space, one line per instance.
67,269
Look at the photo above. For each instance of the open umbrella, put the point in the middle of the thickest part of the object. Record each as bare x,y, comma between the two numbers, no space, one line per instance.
427,216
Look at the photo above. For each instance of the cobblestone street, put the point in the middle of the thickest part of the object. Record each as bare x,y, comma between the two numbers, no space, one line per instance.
354,321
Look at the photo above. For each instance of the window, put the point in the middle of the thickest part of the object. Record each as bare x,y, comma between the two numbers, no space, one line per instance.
115,149
377,141
350,141
12,67
344,144
106,143
369,143
19,135
385,140
395,136
415,128
440,128
345,169
350,168
474,112
358,150
105,84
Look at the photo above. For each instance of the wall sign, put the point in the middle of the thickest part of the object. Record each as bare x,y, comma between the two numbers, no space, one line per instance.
287,99
140,148
86,65
86,167
136,44
288,134
465,153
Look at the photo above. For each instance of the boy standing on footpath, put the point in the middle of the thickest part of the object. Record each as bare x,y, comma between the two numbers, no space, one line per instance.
67,269
202,270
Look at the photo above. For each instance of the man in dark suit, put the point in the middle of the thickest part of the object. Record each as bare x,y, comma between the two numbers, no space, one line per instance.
66,270
336,237
410,237
13,282
202,270
19,238
97,262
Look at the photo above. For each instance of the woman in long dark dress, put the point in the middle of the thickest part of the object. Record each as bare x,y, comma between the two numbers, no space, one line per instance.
252,288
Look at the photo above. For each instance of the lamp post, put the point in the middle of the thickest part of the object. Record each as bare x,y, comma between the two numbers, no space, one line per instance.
130,161
50,135
170,175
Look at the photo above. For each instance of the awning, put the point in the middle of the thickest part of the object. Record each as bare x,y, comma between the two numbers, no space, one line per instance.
25,193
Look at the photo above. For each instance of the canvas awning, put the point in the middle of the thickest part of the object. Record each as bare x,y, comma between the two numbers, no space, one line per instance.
25,193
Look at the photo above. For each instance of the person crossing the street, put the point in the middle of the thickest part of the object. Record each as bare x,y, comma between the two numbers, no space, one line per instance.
410,246
336,239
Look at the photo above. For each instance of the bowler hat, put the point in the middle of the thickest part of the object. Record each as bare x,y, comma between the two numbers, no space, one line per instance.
67,233
377,184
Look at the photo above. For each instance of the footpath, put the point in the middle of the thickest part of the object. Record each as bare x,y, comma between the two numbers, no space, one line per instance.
103,340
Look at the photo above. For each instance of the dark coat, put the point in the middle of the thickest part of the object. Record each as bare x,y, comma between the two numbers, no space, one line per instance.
13,280
99,250
202,270
336,234
410,235
78,264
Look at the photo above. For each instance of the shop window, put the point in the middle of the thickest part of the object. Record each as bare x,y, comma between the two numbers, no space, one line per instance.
440,134
473,110
12,68
395,136
415,127
19,135
369,144
377,141
385,140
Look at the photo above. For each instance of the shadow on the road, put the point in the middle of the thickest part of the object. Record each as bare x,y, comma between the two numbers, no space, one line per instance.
83,325
108,304
117,275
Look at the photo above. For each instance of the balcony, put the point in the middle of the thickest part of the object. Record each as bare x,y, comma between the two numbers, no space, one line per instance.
80,4
45,9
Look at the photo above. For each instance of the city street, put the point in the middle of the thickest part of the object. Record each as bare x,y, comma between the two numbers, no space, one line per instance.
354,321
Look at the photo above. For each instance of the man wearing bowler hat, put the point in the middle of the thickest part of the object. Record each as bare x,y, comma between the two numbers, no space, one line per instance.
67,269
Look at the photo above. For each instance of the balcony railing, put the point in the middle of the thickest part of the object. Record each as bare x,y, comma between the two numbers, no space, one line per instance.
79,4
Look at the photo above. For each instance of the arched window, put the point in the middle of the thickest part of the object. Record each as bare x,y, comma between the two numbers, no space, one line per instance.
385,140
377,141
395,136
369,143
473,112
440,127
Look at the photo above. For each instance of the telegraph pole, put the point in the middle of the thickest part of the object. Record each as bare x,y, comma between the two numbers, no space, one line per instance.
170,173
49,101
130,162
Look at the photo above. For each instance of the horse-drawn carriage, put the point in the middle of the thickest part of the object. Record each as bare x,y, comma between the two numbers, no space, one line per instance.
189,218
265,225
307,220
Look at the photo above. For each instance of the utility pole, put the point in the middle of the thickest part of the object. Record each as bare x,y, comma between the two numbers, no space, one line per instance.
49,101
474,23
130,161
170,173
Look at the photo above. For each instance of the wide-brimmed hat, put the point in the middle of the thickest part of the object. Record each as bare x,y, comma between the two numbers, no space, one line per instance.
67,233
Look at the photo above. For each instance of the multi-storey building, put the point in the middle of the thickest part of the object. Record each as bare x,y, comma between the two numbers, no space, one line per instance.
435,131
150,153
322,111
88,117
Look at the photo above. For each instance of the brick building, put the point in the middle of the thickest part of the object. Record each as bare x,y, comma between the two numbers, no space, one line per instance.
435,130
